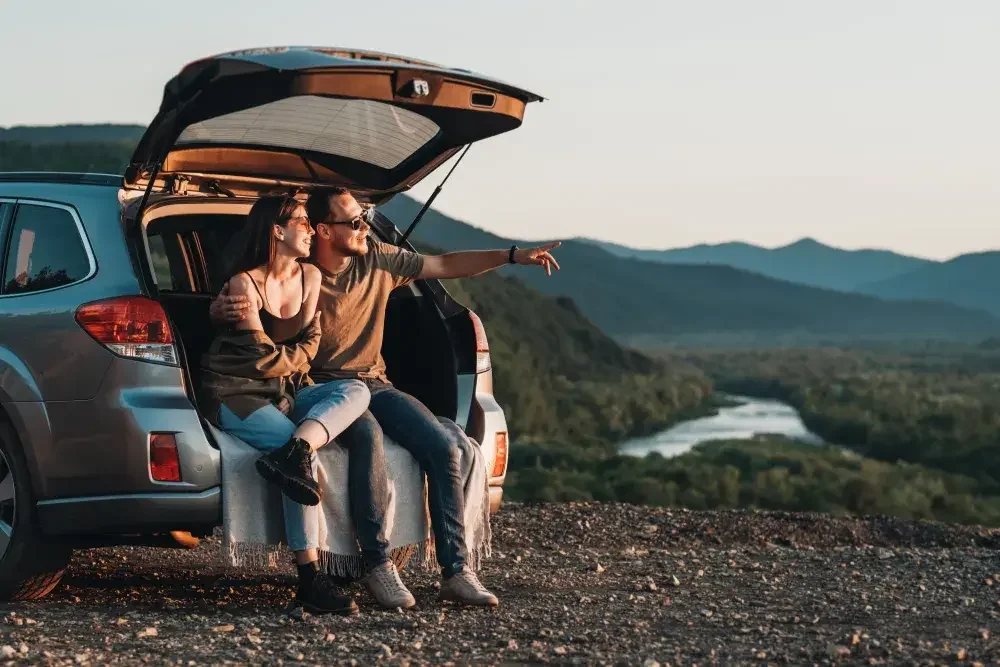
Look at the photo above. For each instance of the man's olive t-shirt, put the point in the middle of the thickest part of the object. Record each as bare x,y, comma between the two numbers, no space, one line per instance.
352,304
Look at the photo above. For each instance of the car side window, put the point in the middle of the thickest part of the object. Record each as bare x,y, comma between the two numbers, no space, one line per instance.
160,262
44,251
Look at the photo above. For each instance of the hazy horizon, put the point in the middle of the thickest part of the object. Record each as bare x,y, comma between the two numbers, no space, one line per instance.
859,125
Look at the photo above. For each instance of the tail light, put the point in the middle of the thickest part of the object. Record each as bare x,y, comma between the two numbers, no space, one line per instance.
482,345
164,464
130,326
500,455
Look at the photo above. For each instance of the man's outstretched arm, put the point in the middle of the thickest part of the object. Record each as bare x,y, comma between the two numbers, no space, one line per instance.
468,263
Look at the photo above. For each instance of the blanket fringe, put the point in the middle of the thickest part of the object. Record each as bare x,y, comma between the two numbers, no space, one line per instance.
341,565
253,555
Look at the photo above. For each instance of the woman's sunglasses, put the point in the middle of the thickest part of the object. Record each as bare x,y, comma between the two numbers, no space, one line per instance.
302,222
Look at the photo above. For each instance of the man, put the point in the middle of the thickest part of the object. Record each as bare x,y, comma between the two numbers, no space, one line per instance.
358,275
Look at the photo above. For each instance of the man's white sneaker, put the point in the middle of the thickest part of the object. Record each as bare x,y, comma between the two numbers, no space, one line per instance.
465,588
387,588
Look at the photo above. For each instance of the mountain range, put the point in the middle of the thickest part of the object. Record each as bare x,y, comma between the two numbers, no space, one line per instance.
626,296
733,287
968,280
971,280
806,261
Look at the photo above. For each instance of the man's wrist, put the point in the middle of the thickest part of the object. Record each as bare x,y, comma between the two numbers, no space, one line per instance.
510,255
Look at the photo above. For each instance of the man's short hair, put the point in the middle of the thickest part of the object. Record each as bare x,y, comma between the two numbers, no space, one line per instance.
318,204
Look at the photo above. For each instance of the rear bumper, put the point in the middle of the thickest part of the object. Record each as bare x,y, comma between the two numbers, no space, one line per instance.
131,513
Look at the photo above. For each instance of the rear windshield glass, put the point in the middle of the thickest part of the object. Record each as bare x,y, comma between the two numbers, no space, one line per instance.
365,130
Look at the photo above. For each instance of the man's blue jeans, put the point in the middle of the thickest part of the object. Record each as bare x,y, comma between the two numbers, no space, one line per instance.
335,405
408,423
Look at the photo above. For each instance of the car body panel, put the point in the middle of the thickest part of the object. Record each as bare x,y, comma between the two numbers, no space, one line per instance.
102,445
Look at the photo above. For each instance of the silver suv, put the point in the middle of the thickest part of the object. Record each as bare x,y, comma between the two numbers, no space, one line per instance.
106,283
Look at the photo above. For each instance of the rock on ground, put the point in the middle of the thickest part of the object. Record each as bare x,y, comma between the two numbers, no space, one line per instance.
579,583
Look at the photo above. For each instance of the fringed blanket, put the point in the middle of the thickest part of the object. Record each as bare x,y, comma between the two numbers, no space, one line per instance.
253,523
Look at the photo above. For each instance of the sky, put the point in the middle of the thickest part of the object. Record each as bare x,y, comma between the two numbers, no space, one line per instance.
666,124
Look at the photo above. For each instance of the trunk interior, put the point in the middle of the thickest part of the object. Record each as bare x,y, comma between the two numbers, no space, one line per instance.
185,255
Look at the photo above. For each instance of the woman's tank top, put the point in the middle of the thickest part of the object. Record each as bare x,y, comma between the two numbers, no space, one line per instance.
281,329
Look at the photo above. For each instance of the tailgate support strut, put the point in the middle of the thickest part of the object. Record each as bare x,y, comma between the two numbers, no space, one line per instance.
430,200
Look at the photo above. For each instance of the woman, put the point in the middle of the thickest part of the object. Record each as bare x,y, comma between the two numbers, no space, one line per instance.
254,372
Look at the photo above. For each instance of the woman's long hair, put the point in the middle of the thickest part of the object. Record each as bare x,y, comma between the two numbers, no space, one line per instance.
258,245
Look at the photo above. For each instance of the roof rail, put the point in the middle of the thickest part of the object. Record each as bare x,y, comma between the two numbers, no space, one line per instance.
60,177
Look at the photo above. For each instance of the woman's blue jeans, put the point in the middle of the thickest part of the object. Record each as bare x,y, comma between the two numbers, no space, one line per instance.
335,405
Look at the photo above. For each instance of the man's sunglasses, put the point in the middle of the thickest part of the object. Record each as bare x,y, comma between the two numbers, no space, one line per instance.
366,216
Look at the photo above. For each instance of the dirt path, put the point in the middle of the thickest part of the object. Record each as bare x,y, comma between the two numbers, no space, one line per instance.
579,583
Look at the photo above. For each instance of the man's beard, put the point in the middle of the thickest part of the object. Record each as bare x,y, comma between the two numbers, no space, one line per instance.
352,250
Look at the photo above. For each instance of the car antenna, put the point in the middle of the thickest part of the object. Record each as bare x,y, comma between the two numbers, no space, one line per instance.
430,200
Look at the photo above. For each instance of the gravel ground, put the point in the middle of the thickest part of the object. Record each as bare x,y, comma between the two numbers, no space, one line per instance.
579,583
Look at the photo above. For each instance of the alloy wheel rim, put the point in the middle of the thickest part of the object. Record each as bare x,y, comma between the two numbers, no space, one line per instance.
8,503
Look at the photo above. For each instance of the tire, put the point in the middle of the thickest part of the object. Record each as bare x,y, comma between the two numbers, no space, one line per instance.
31,566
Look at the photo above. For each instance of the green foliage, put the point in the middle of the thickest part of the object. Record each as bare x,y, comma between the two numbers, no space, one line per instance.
765,473
938,406
558,376
99,157
922,425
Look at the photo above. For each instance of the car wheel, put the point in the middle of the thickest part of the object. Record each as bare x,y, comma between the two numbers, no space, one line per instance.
30,565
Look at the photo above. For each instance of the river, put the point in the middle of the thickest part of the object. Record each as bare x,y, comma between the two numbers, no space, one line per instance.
751,417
